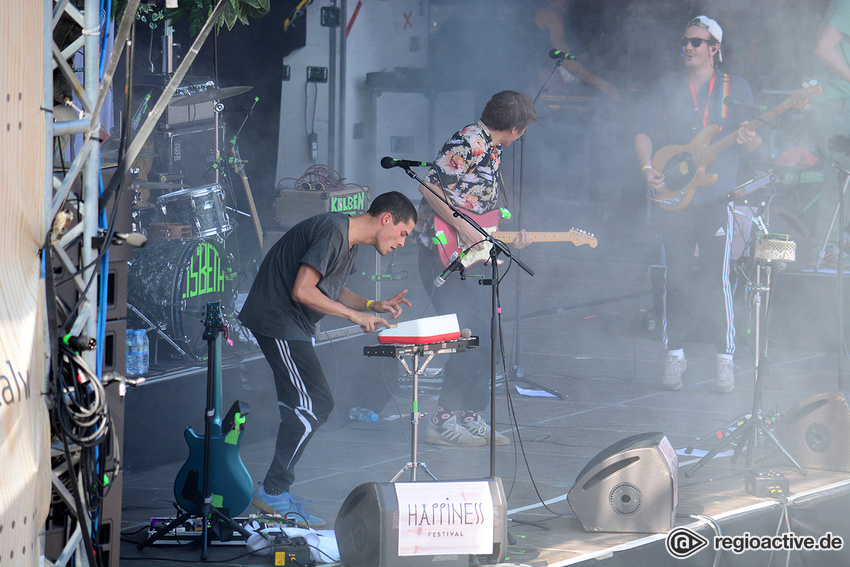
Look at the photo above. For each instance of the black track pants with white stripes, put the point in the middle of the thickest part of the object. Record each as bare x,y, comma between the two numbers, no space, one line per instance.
304,399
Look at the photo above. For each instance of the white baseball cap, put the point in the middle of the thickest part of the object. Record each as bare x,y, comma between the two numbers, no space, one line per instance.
712,27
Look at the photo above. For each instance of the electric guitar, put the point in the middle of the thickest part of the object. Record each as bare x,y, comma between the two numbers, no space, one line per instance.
684,166
230,485
450,242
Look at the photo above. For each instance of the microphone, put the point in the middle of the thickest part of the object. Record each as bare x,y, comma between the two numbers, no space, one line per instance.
729,101
453,265
555,54
389,163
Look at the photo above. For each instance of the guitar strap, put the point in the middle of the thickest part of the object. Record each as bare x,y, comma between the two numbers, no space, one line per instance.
725,87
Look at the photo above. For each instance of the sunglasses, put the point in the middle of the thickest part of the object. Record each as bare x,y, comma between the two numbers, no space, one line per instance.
694,41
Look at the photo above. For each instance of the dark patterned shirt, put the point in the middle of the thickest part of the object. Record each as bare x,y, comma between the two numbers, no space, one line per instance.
467,167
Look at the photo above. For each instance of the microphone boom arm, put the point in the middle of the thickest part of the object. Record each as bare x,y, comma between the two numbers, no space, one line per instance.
498,246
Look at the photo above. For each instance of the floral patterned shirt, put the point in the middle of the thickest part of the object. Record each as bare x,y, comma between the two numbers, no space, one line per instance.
467,167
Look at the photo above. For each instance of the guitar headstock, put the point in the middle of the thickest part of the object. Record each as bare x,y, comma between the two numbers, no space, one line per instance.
213,322
800,98
580,237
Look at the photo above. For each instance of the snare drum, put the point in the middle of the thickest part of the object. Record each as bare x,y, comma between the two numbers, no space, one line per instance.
171,281
202,208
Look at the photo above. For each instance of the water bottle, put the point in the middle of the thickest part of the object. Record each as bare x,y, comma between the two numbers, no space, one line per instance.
133,353
362,414
145,350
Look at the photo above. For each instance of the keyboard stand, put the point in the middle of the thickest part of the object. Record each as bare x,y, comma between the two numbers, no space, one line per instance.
428,350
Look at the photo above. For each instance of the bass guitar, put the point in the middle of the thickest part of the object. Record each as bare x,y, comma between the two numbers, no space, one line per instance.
230,484
684,166
451,243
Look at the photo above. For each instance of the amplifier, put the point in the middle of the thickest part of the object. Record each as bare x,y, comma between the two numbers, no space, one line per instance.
294,205
776,248
189,113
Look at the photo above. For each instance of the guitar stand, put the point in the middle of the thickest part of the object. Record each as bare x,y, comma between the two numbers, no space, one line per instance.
209,514
751,427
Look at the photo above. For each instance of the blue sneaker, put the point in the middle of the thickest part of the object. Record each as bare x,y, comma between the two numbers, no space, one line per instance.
288,506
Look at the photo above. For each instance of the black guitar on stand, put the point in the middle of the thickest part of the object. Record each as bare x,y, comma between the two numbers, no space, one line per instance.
213,483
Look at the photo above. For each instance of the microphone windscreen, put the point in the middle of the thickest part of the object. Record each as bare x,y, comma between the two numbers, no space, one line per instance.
136,240
465,333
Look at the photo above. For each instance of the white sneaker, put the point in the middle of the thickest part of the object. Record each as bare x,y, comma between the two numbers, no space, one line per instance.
724,381
673,370
451,433
479,428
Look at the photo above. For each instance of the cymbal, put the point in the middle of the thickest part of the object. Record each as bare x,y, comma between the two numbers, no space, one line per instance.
209,95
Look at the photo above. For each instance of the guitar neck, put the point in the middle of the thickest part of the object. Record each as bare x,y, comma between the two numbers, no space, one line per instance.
510,236
708,155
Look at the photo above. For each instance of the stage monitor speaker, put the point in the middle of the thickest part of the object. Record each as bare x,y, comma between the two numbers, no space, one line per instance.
631,486
815,431
368,524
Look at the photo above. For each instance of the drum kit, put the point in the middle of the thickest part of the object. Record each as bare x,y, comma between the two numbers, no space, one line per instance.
186,263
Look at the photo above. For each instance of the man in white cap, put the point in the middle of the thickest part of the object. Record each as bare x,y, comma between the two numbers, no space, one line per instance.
681,107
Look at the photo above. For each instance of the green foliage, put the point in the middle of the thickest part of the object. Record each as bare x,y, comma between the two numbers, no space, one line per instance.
197,12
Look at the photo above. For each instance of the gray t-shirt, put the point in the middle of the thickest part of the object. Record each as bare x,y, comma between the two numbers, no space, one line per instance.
321,242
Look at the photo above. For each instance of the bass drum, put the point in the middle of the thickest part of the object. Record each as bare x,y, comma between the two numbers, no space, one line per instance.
170,283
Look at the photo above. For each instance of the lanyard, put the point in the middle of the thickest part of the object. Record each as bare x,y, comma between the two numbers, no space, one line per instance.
696,102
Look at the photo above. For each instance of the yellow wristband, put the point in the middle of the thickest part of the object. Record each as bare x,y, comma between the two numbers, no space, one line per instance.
644,168
369,303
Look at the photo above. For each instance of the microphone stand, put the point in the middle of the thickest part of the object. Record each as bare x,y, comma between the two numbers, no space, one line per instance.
496,249
838,214
517,370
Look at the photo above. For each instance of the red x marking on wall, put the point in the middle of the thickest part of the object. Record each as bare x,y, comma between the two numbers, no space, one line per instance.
407,22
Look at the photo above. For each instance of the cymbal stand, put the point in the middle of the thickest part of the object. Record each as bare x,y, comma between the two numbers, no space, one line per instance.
415,416
753,426
517,371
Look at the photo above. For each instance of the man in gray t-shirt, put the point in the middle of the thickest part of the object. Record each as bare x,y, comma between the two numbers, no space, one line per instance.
302,279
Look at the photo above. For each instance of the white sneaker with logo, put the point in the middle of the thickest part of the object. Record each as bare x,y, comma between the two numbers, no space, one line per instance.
724,381
673,370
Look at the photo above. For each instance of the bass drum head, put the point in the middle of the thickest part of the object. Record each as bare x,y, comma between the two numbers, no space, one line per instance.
171,282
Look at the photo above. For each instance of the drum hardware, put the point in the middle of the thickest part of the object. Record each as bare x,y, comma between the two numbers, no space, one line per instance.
209,95
170,282
143,217
169,231
157,185
151,326
202,208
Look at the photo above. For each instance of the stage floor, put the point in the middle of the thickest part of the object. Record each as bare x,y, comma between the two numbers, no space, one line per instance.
585,332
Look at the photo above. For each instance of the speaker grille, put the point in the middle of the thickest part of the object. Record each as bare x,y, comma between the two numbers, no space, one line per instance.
626,499
817,438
